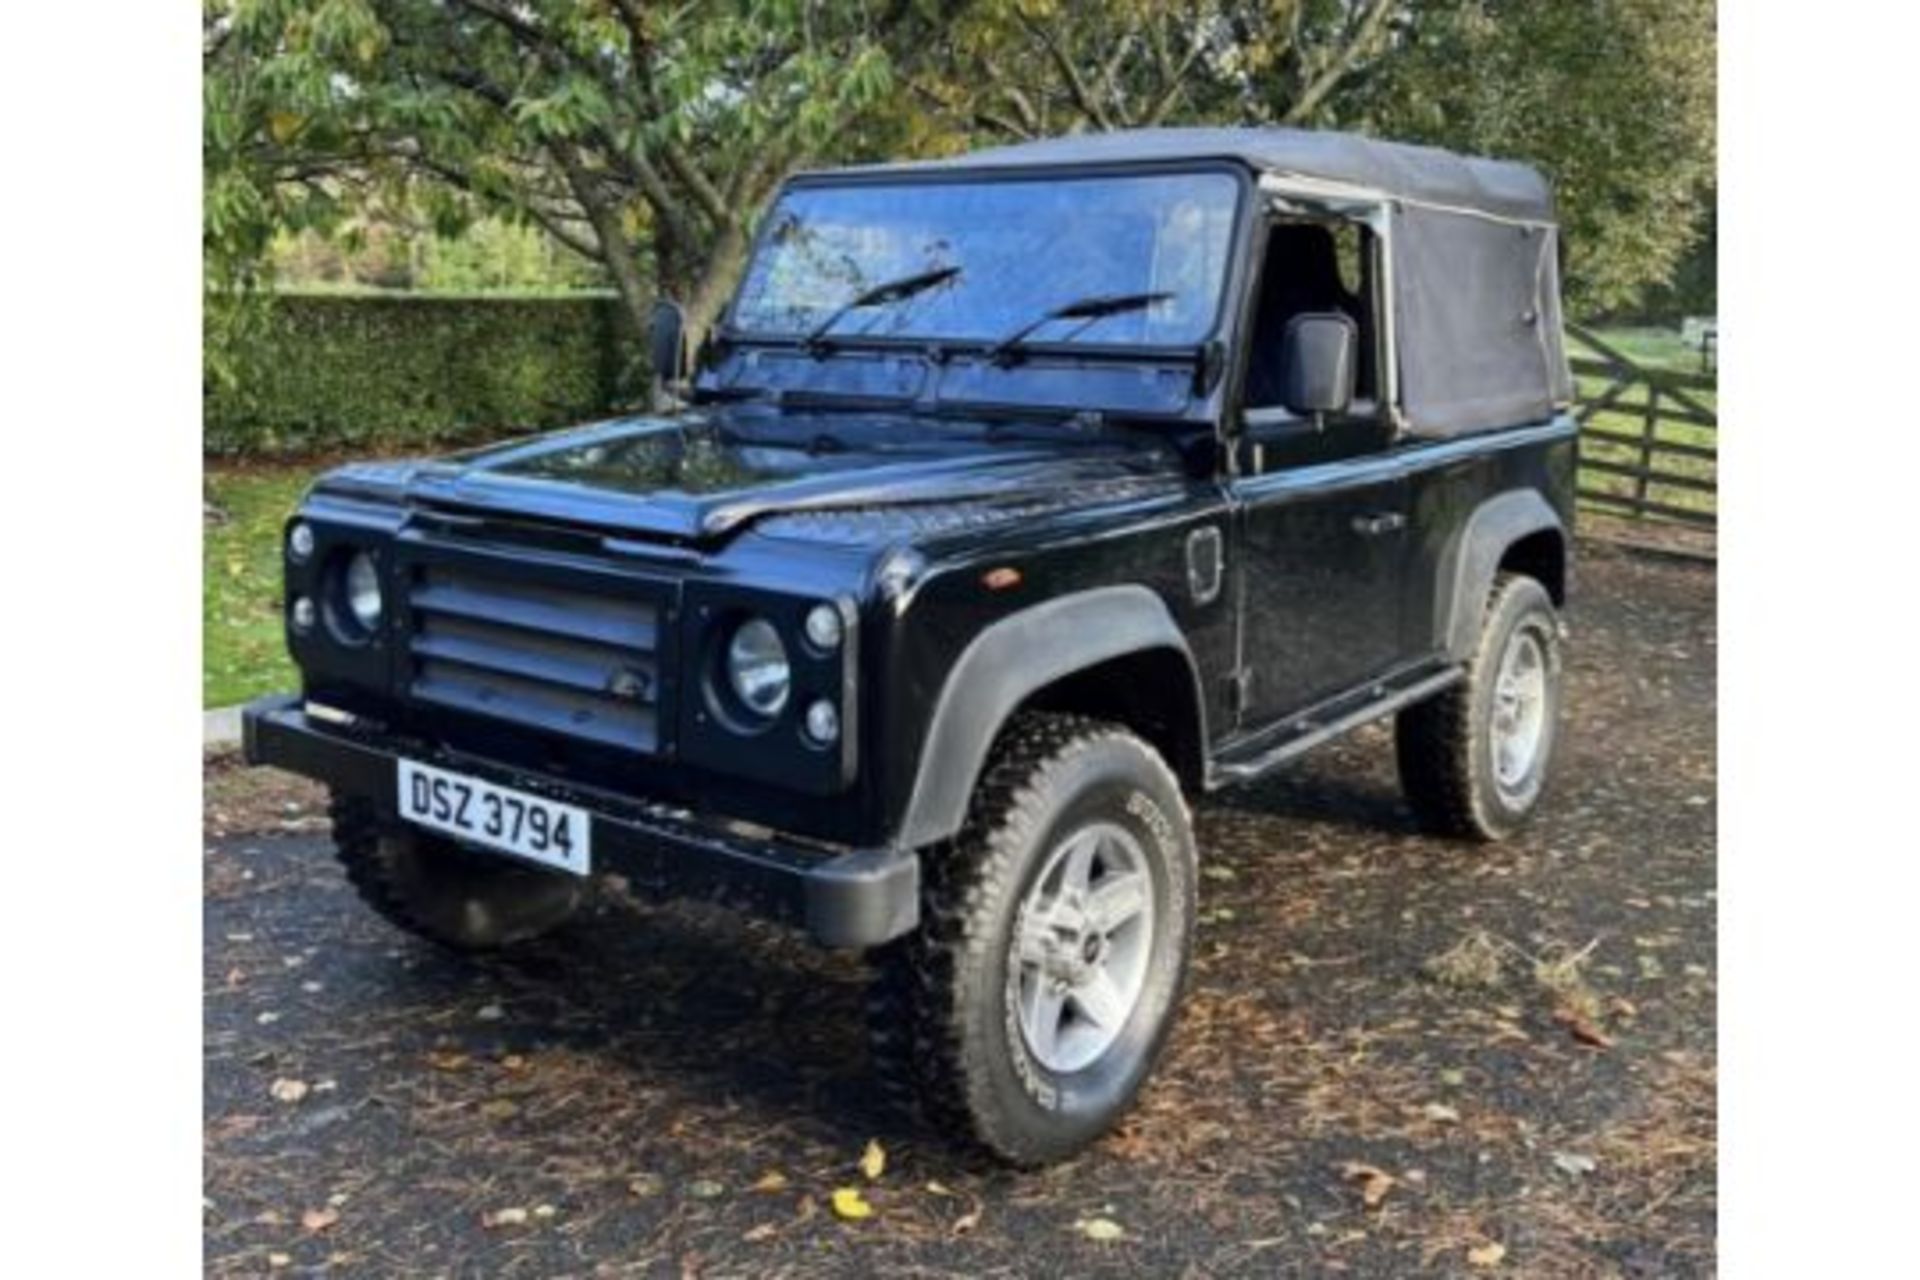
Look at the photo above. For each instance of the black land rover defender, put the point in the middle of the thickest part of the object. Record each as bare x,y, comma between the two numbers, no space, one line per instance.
1018,499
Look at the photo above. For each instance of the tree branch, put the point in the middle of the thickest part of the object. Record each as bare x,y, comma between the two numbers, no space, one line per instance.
1077,87
705,194
1367,35
1176,82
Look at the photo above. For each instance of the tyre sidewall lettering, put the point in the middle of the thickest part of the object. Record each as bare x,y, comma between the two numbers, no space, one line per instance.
1120,1070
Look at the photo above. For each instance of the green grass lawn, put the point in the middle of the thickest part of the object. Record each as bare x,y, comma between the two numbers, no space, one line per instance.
1655,347
245,655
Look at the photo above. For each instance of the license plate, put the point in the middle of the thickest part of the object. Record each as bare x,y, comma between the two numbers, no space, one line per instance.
559,835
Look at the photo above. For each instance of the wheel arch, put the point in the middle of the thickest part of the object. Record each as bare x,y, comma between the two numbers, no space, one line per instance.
1517,531
1111,652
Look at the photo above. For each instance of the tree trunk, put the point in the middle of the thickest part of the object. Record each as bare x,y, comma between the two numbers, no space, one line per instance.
718,275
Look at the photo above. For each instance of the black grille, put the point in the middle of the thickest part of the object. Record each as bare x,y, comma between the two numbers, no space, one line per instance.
577,662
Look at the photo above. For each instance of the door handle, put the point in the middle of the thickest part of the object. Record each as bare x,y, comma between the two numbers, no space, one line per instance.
1382,522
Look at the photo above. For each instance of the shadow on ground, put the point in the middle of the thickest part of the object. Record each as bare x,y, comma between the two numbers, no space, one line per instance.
674,1091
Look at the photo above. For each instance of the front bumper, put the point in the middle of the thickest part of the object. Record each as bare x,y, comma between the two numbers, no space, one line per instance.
842,899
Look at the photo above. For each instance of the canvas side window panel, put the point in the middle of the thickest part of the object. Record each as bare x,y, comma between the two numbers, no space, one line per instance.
1478,321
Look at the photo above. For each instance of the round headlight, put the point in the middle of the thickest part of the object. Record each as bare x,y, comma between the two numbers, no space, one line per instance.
363,590
300,542
757,667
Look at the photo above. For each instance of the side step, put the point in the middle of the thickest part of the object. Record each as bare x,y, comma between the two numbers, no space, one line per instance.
1309,731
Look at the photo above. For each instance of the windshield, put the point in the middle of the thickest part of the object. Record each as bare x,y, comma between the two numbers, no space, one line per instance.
1016,248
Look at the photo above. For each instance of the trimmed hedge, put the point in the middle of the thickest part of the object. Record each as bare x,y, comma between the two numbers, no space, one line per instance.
324,372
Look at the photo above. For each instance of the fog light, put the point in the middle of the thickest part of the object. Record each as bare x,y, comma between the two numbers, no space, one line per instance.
823,627
303,614
300,542
823,722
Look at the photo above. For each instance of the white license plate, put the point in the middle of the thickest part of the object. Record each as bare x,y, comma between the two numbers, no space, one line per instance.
559,835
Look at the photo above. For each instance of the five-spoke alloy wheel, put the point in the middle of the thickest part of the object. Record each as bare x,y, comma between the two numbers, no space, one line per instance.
1031,1004
1474,758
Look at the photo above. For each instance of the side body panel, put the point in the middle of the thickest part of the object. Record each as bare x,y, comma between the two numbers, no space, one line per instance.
1468,501
917,638
1321,554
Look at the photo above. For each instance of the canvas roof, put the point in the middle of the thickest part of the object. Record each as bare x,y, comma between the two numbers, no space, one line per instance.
1428,175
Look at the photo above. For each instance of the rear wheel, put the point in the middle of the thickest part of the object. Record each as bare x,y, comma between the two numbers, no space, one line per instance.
447,894
1028,1009
1474,759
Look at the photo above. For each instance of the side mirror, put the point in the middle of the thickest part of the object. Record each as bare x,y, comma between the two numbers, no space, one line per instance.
667,343
1317,356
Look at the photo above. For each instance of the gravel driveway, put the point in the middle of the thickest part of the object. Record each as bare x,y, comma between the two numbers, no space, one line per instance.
1398,1055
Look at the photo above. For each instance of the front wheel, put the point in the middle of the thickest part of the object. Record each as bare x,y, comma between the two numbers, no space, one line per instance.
1474,759
1029,1008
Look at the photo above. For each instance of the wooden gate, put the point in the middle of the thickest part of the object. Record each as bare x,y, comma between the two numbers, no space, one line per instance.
1648,437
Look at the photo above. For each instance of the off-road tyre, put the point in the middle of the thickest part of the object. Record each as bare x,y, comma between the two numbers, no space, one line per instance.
943,1008
1444,744
458,898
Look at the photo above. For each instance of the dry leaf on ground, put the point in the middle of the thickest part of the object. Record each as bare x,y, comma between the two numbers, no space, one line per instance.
1487,1255
284,1090
1374,1183
848,1203
1102,1229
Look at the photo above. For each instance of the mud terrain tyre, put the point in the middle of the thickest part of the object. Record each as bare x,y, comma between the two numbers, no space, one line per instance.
1027,1010
1474,759
449,895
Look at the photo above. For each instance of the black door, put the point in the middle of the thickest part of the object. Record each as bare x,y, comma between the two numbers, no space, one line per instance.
1321,561
1320,546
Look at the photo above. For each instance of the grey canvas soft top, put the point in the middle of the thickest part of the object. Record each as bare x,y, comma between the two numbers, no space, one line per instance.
1427,175
1474,251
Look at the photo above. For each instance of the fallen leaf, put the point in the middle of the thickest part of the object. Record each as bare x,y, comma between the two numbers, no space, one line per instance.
873,1161
1440,1113
765,1231
1583,1029
1374,1183
319,1219
279,1260
516,1064
644,1186
966,1222
848,1203
490,1013
447,1060
1487,1255
1574,1165
513,1217
705,1189
771,1180
499,1108
544,1211
284,1090
1105,1230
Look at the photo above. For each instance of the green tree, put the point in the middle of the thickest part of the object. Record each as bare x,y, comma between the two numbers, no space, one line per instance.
1613,99
641,137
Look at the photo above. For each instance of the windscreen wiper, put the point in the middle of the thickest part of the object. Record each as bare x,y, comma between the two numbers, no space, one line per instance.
1094,307
887,291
